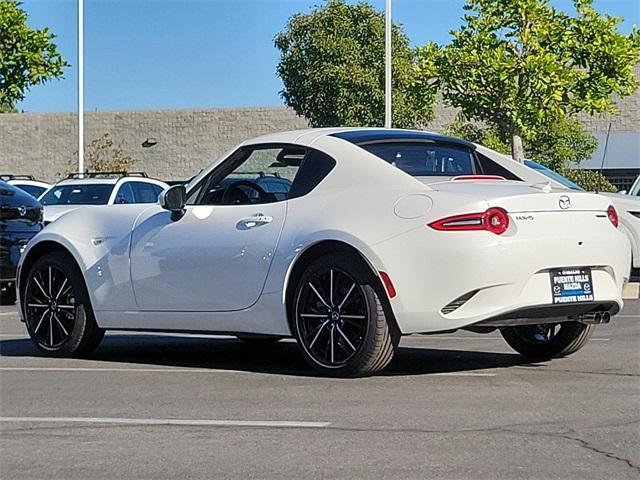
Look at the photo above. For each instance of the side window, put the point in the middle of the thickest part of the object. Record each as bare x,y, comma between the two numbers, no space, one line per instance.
252,176
145,192
489,167
125,194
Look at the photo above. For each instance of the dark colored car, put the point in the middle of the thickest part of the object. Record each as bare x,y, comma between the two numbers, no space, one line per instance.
20,220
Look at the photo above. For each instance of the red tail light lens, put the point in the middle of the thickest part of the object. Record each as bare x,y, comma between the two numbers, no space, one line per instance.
494,220
613,216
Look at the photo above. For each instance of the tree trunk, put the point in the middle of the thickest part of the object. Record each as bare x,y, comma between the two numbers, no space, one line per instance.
517,151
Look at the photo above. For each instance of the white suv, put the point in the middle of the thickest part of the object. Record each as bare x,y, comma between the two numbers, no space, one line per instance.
99,188
28,183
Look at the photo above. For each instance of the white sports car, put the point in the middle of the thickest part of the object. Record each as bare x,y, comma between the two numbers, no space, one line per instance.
344,239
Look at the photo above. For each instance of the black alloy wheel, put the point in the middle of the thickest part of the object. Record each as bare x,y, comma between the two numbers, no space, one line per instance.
57,309
549,340
339,320
50,307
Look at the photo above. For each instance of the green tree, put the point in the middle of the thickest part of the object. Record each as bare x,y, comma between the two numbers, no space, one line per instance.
564,145
332,67
522,65
27,56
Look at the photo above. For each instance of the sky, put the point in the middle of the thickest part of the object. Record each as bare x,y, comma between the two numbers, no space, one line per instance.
158,54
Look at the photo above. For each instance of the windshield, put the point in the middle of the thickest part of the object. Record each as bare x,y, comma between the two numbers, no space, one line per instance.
424,159
85,194
33,190
552,175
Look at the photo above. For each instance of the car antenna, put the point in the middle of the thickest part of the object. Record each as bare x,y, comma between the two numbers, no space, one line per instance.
604,156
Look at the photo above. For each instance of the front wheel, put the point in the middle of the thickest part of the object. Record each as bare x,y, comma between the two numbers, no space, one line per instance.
546,341
339,321
57,309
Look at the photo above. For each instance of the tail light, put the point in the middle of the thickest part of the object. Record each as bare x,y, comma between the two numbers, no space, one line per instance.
471,178
613,216
494,220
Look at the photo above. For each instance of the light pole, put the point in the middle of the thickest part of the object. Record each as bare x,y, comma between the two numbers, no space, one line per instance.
387,65
81,86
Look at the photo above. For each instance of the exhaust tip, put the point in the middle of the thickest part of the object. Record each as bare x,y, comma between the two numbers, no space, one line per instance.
597,318
606,317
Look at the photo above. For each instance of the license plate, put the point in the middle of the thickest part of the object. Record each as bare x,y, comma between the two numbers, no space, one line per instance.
571,285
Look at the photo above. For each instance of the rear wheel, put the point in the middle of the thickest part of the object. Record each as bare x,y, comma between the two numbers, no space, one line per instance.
57,309
339,321
546,341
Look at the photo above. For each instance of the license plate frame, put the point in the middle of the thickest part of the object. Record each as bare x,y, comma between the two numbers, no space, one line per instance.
571,285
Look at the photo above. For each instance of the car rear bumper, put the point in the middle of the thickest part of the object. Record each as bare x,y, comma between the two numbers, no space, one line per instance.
11,246
485,276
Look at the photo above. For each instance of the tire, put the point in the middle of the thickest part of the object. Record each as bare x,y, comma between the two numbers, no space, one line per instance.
563,339
58,312
8,295
339,321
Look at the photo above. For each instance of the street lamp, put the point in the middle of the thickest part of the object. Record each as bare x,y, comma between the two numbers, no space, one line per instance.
387,65
81,87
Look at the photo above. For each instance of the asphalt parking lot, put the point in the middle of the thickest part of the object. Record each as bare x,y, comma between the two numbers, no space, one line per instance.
452,407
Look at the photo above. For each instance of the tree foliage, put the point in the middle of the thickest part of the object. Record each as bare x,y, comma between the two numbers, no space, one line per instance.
28,56
332,67
101,155
522,65
560,147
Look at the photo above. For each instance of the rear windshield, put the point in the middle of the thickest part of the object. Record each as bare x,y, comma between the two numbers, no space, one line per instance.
424,159
85,194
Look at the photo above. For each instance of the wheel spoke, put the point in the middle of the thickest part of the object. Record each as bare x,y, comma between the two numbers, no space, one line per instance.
324,324
345,338
61,288
37,305
50,281
319,296
67,307
346,296
51,327
331,287
41,288
40,321
356,317
61,325
333,329
312,315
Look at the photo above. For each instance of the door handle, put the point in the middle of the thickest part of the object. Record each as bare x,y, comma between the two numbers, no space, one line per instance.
255,221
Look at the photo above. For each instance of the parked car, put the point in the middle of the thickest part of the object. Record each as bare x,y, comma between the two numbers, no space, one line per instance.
20,220
373,240
28,183
99,188
634,191
628,208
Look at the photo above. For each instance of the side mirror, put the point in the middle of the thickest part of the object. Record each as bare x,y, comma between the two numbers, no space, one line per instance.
174,199
622,192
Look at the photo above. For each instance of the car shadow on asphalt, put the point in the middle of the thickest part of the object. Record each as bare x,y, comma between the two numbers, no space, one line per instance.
282,358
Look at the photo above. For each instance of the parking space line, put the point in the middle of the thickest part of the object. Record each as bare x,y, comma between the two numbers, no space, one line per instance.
169,421
127,370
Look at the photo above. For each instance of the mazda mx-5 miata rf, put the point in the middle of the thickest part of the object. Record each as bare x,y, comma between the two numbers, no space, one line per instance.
345,239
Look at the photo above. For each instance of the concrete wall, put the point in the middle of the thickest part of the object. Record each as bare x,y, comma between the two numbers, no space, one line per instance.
44,144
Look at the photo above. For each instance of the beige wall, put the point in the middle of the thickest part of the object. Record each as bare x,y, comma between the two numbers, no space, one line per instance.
43,143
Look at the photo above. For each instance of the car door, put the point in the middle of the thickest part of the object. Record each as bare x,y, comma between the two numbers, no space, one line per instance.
217,256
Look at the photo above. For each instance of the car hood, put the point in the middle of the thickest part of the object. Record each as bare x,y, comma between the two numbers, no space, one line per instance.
54,212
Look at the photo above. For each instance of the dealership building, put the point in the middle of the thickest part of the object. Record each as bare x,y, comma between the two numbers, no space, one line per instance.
176,144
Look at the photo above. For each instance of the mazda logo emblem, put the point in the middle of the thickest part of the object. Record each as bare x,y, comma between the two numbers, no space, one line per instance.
22,210
564,202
